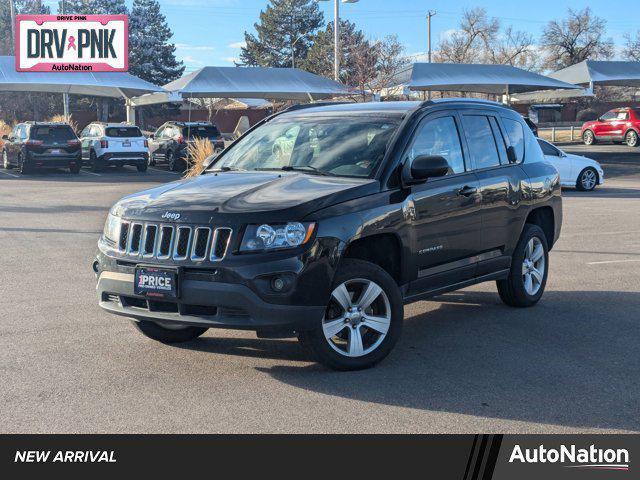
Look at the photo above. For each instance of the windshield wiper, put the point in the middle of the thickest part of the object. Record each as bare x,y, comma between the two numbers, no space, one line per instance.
226,169
298,168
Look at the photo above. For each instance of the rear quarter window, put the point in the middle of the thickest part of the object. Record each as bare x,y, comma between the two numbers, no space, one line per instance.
123,132
515,133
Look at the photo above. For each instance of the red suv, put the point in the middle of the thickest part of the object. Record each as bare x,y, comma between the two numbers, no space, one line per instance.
617,125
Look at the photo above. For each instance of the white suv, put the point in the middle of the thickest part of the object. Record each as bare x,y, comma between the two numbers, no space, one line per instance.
117,144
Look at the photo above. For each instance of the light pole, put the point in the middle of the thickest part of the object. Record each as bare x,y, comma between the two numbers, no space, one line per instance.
430,14
336,36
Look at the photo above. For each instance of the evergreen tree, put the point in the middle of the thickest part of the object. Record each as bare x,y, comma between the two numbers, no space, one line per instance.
32,7
92,7
284,27
151,53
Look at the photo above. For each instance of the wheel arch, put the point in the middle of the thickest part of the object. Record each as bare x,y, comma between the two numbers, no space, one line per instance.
544,217
382,249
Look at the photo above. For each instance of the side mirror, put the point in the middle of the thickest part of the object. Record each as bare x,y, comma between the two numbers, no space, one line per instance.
427,166
5,137
600,119
511,154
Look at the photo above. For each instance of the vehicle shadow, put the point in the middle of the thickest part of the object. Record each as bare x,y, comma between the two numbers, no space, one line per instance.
112,174
572,360
604,192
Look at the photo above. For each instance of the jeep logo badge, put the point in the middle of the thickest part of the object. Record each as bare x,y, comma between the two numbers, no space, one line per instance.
171,215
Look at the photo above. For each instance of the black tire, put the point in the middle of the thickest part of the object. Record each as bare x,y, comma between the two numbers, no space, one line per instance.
589,138
6,164
142,167
167,335
75,169
175,164
97,165
23,167
315,341
631,138
587,180
512,290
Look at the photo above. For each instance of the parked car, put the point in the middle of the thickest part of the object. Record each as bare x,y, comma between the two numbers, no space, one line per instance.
170,142
575,170
379,205
119,144
617,126
532,126
34,145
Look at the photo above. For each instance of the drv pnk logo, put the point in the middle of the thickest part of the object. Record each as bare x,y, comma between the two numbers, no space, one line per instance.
62,43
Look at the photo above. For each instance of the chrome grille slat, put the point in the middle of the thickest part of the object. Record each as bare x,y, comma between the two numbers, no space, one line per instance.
220,243
174,241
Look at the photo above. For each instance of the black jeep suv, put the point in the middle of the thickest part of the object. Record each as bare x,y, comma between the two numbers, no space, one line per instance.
170,142
363,208
34,145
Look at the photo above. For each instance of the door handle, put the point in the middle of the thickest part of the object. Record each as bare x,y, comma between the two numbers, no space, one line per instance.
467,191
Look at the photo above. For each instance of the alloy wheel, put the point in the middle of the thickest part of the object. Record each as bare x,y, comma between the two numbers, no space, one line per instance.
632,138
5,160
533,266
588,137
358,317
588,179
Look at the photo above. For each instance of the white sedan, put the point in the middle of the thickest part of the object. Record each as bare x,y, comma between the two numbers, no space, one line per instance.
575,170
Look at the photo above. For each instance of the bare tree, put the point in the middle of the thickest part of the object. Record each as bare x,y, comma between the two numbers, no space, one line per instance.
391,60
578,37
632,47
469,43
364,65
514,48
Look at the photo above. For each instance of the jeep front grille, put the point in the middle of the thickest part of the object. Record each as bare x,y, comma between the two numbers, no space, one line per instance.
177,242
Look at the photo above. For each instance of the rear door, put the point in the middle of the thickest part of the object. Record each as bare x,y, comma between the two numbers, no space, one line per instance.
500,184
446,225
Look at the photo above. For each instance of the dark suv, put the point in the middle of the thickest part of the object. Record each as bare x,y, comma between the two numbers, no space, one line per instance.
169,143
34,145
373,206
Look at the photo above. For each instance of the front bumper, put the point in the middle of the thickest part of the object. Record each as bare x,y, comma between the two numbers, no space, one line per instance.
205,303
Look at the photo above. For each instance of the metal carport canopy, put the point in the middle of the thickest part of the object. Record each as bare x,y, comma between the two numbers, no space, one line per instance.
100,84
593,72
480,78
247,82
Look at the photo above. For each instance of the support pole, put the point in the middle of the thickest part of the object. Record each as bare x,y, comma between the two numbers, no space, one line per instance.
131,111
336,40
65,106
430,14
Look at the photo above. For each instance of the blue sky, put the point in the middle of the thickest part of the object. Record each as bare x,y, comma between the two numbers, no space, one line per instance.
210,32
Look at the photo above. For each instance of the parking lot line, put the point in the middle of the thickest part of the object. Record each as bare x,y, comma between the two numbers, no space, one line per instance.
90,173
164,171
614,261
10,174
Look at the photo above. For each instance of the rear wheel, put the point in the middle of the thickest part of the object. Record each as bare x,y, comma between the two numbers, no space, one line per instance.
529,268
168,332
363,319
142,167
588,137
75,169
97,165
5,161
631,138
175,164
587,180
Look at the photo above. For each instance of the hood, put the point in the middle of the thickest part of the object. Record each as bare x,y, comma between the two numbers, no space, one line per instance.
580,161
268,196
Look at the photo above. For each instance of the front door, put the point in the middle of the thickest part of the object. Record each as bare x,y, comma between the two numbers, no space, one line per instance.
446,225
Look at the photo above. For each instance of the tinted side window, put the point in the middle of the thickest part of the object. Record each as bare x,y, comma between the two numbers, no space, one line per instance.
481,141
548,149
439,137
515,133
610,115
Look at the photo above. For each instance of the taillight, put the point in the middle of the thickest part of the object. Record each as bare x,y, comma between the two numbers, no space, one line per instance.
34,142
146,144
180,140
104,144
73,142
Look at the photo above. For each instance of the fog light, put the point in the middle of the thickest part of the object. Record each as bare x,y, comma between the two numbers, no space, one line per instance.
278,284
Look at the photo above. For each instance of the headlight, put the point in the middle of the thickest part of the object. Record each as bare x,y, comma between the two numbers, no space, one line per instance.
112,228
275,236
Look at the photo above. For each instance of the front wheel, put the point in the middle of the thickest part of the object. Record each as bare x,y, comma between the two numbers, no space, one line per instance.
363,319
529,269
168,332
631,138
588,138
5,161
175,164
23,166
587,180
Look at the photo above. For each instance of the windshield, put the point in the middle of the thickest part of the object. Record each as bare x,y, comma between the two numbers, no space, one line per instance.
200,131
350,146
123,132
59,133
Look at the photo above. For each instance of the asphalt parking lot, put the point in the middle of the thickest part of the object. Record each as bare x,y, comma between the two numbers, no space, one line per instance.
466,363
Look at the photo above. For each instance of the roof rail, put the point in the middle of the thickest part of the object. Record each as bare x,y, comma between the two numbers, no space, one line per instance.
302,106
481,101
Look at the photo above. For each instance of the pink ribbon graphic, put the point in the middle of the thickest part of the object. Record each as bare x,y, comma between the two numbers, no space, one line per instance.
72,43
